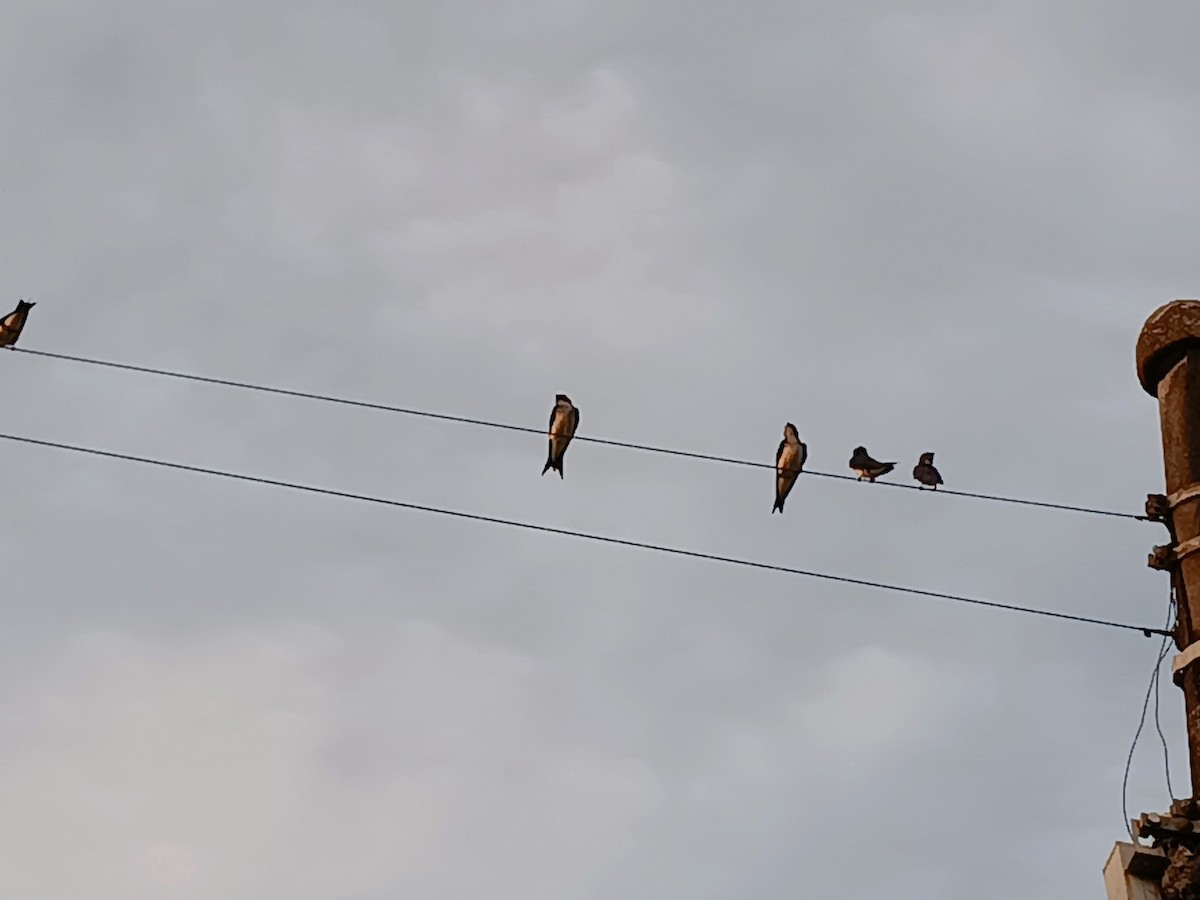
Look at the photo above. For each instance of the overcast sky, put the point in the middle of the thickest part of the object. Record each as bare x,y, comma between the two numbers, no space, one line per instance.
937,227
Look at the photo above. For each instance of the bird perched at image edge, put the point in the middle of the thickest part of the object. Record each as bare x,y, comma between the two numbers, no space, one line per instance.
564,419
926,473
866,467
11,325
789,462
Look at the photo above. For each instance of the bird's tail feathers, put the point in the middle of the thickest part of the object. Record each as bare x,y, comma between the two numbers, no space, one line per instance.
552,463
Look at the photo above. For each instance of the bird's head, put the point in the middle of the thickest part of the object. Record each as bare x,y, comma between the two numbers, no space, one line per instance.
25,304
927,459
860,451
562,398
790,430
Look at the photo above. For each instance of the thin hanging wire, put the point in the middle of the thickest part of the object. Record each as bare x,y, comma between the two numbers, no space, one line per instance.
1163,650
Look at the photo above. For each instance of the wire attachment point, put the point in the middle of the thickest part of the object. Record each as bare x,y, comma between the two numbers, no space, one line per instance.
1162,558
1158,507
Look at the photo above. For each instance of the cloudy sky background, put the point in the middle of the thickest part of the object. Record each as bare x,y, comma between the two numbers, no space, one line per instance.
931,227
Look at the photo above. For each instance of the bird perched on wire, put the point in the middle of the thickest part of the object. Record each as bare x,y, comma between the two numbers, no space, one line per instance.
866,467
926,473
11,325
564,419
789,462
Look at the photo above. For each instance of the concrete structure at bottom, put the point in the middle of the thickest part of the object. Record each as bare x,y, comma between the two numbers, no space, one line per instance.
1133,872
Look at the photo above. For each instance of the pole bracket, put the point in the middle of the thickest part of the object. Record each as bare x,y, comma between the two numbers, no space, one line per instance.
1158,507
1184,495
1168,556
1190,654
1163,558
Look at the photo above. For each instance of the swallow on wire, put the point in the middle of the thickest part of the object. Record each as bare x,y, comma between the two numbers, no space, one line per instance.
926,473
789,463
868,468
12,324
564,419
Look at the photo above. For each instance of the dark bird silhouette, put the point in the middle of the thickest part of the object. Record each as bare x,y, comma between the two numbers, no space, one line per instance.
926,473
789,463
11,325
564,419
866,467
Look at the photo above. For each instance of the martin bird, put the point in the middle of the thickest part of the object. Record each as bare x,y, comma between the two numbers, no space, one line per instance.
564,419
926,473
11,325
789,463
866,467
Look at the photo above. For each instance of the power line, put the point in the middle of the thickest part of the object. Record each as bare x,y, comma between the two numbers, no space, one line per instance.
547,529
626,445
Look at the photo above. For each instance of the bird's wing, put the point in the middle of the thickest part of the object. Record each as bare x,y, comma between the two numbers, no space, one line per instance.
802,457
779,452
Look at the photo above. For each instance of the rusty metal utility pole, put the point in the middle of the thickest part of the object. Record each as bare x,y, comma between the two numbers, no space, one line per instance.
1168,366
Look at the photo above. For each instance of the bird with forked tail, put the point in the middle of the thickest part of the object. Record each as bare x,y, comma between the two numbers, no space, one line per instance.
564,419
789,463
868,468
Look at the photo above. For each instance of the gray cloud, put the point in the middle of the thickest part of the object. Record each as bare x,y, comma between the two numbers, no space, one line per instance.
937,228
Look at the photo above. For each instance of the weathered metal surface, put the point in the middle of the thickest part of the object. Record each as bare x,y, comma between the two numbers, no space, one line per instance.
1168,363
1179,407
1191,703
1169,329
1181,880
